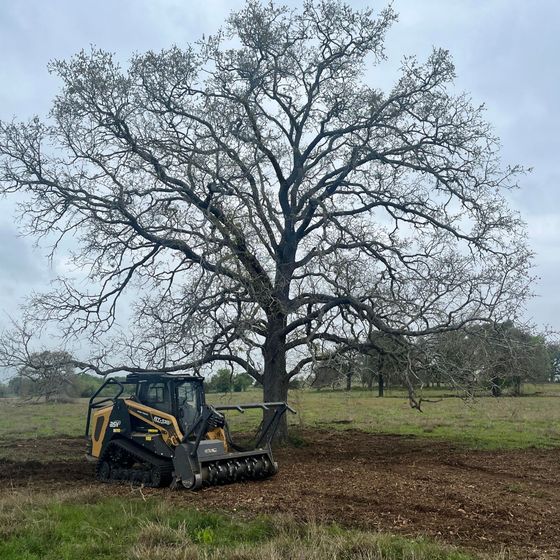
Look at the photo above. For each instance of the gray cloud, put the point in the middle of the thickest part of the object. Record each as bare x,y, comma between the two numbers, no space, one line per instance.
505,53
21,270
18,265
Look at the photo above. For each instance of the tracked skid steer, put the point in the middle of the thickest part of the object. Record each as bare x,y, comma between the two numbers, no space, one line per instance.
157,430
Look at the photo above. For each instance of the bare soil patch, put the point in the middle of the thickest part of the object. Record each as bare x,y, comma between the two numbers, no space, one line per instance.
482,500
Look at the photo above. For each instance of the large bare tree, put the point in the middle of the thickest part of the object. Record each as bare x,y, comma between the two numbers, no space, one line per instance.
255,199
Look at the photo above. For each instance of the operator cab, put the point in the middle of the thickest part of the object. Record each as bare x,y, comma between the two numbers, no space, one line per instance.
179,395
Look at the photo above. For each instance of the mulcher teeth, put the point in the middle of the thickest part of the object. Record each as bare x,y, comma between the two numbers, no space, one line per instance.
229,471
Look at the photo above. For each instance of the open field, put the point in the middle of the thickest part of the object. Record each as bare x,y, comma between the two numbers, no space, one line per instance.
485,423
366,478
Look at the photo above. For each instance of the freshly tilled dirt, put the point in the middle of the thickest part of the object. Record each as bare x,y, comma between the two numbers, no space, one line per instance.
483,500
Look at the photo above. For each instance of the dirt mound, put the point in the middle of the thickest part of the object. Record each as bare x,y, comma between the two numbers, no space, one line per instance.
481,500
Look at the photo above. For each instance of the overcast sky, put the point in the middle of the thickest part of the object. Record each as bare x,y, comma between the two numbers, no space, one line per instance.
506,54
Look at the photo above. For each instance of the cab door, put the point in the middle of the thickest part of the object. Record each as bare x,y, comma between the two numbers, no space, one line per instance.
188,399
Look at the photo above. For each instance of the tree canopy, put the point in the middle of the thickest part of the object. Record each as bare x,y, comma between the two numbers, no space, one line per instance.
261,200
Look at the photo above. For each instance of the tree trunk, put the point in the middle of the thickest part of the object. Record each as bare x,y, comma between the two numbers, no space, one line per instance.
381,385
275,379
349,381
517,386
496,387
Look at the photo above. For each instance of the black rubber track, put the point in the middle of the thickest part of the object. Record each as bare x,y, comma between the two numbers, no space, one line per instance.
126,463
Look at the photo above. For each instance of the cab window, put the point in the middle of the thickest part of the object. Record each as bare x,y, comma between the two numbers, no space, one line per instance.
155,395
186,393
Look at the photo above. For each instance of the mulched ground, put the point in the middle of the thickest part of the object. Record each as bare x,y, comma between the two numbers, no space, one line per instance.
483,500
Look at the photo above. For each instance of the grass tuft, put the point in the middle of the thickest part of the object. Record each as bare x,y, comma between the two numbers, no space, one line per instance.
71,526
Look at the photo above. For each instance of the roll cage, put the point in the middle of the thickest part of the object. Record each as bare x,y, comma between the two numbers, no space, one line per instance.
159,391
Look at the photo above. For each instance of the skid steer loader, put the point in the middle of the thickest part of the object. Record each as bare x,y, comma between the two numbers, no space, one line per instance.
157,430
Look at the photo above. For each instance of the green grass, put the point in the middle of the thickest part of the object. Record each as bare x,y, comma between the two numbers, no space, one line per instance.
86,525
24,419
484,423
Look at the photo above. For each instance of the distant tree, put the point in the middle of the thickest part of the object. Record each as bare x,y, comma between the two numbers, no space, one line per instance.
553,349
457,357
221,381
325,376
387,359
490,356
84,385
334,368
515,356
226,381
297,383
241,382
48,374
21,387
14,385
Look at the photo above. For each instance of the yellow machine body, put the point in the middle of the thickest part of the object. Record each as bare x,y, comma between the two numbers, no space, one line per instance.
157,430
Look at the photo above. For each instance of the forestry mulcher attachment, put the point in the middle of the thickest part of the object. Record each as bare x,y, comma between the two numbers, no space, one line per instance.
157,430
